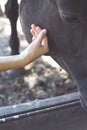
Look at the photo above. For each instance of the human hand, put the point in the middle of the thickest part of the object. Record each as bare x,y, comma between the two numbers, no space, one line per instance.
35,30
37,47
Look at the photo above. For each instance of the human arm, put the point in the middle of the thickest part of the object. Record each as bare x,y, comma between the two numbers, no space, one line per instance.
33,51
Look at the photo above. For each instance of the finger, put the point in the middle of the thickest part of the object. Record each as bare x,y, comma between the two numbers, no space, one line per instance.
33,38
33,26
36,30
45,39
33,33
33,29
41,35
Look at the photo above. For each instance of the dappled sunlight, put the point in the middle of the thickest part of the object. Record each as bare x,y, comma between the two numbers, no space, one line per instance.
49,60
46,79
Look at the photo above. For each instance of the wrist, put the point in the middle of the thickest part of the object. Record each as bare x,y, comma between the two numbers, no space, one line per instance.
25,57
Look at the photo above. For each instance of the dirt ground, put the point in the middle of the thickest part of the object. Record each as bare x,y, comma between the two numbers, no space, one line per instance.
42,79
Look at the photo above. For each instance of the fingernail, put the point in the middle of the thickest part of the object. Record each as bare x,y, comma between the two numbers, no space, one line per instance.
42,44
37,27
32,25
31,30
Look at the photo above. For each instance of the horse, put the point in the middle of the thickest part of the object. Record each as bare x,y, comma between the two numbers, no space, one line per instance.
66,22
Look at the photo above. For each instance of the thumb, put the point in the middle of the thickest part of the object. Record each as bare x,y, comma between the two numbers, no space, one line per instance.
41,35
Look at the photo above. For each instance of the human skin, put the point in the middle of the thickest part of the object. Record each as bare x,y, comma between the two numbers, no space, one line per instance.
38,47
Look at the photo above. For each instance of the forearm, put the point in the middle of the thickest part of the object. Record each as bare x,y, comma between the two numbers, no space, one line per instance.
11,62
33,51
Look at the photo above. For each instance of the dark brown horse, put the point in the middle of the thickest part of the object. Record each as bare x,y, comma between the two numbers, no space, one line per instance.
11,10
66,22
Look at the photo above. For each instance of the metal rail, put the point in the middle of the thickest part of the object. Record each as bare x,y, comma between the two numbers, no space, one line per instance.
57,113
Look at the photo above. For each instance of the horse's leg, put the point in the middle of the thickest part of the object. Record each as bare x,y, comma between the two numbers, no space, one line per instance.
11,10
